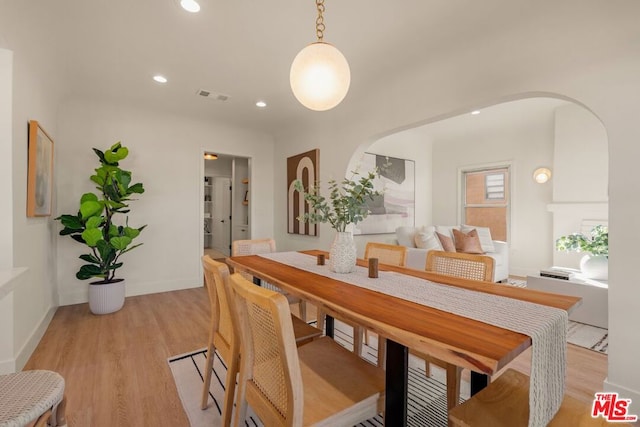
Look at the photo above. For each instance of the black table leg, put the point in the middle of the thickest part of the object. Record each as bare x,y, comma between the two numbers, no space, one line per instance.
328,323
478,382
397,377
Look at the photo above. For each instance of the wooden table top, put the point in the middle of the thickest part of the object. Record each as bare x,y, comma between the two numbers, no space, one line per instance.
464,342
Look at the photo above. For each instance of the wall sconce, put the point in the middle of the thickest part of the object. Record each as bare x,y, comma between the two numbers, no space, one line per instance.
542,175
210,156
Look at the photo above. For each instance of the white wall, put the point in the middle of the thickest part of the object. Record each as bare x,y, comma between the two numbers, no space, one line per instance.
581,176
596,68
6,177
523,145
36,94
166,156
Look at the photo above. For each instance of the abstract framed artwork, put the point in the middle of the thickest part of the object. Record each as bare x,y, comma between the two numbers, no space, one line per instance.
40,172
304,167
396,206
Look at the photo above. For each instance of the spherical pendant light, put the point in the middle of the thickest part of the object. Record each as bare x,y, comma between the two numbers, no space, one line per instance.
320,74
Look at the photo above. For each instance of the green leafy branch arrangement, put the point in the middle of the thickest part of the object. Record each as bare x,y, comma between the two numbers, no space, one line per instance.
347,203
94,223
596,244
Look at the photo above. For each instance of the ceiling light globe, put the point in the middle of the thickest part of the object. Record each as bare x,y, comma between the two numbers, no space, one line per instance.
320,76
190,6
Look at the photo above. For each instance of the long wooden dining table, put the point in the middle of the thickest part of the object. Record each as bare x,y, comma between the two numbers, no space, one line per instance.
468,343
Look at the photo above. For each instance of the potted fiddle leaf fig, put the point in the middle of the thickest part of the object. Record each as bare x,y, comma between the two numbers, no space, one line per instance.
95,226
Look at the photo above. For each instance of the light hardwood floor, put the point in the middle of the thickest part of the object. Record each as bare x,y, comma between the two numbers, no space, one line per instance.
116,370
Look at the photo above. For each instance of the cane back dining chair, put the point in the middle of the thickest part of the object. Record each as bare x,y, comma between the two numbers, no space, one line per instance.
262,246
319,383
224,336
466,266
32,397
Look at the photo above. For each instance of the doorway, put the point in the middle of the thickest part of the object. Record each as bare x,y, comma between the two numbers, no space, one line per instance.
225,203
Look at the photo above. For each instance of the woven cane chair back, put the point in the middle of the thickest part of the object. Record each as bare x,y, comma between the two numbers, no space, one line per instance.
466,266
386,254
270,369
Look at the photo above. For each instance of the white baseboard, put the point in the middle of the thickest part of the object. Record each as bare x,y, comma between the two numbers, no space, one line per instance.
29,347
133,289
624,393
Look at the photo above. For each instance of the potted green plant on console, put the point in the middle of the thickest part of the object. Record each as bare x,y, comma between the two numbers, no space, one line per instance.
94,226
595,265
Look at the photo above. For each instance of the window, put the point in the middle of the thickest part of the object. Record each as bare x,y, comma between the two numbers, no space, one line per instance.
486,200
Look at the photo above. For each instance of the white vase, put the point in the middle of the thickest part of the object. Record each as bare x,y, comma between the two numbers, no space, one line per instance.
342,256
106,298
595,267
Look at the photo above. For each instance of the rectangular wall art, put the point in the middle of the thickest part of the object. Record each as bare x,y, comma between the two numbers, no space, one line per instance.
40,173
396,206
304,167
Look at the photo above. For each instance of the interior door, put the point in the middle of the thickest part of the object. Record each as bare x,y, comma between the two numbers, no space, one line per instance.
221,216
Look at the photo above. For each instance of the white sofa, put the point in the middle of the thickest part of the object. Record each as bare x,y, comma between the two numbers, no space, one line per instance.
417,257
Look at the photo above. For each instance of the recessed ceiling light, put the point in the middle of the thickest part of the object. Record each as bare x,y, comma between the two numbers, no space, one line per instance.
160,79
190,6
475,112
261,104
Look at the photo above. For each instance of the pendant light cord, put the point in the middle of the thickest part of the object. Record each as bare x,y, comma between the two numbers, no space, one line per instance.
320,20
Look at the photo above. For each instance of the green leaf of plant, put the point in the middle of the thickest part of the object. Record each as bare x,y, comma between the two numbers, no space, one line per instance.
120,243
88,197
94,222
92,236
100,155
88,271
115,266
132,233
90,208
106,251
71,222
136,188
89,258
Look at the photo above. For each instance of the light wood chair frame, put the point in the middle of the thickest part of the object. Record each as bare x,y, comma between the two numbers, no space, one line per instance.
271,341
245,247
386,253
224,333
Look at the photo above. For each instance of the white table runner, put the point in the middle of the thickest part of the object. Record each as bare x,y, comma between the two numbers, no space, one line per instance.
547,326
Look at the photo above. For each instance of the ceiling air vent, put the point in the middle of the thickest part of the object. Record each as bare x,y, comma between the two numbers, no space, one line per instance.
212,95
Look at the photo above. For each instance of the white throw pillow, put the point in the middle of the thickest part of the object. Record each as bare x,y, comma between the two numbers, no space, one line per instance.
484,234
428,240
406,236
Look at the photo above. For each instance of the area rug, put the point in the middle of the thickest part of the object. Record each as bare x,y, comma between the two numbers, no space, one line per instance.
427,405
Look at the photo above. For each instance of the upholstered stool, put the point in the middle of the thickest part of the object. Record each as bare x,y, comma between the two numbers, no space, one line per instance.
32,396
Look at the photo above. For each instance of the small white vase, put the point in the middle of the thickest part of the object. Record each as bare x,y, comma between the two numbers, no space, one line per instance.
106,298
595,267
342,256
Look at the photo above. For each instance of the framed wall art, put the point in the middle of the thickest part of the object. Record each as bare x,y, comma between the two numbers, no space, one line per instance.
304,167
40,171
396,206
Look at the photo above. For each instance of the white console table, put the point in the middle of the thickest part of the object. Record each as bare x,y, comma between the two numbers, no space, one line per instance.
594,294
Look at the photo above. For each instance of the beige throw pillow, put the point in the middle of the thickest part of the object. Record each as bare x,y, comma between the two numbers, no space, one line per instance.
427,240
446,242
484,233
468,243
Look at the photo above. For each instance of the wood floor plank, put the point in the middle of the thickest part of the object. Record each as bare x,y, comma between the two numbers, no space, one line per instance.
116,370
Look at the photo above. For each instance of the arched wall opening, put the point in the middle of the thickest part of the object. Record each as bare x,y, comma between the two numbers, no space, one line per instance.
526,132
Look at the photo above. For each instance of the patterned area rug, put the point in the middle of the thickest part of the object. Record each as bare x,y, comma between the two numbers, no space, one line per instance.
427,396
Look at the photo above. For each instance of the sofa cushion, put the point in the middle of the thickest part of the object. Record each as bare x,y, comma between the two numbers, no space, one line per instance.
406,236
446,242
484,233
468,243
426,239
446,230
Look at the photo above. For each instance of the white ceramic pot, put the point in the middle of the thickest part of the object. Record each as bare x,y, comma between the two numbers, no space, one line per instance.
106,298
595,267
342,256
